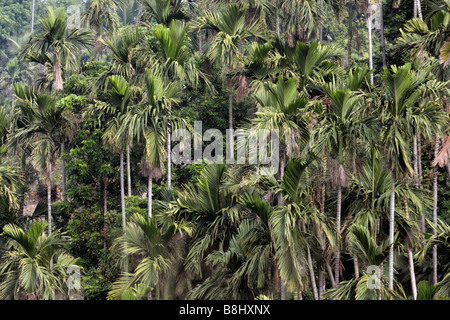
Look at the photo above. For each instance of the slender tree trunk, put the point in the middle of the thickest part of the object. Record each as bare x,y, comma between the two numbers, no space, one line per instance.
63,169
200,42
382,42
412,273
105,204
124,15
321,24
435,204
312,275
150,195
415,9
419,172
415,161
356,266
391,231
105,193
169,160
380,294
281,202
330,275
321,281
419,157
128,170
350,34
169,152
417,177
122,192
337,265
57,72
33,9
49,196
322,211
310,267
369,35
419,9
122,201
277,21
230,106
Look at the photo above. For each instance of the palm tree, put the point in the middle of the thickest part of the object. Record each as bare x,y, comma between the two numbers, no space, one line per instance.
149,121
295,225
283,109
232,34
214,211
27,266
245,268
56,44
121,95
101,15
369,35
124,56
14,71
339,129
429,35
309,63
163,11
175,61
402,90
369,286
301,20
33,7
154,249
41,125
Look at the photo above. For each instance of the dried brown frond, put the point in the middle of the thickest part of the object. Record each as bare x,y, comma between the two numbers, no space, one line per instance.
443,156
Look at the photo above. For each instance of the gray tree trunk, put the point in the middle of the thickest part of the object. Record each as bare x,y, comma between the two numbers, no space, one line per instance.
382,42
200,43
412,274
337,265
122,192
49,196
391,232
435,204
169,160
281,202
312,276
230,106
33,9
356,266
122,201
105,193
63,169
369,35
128,171
57,74
419,9
150,195
417,178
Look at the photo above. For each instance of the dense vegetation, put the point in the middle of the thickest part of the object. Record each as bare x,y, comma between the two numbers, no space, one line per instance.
93,92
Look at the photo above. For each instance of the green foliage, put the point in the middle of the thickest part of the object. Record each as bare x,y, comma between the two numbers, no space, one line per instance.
77,101
85,229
